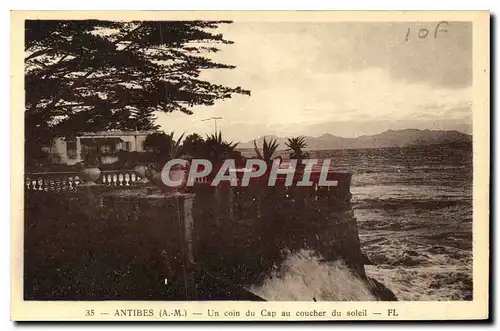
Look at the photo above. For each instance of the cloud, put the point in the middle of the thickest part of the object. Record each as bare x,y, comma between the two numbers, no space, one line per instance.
304,76
443,58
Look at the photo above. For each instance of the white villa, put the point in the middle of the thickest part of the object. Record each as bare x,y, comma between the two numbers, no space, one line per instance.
69,152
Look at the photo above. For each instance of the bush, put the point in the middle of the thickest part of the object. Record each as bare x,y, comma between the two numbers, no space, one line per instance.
128,160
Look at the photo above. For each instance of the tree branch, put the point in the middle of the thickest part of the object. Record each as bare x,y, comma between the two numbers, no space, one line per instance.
38,53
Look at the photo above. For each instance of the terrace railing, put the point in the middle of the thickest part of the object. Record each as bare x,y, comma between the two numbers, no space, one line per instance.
69,181
240,228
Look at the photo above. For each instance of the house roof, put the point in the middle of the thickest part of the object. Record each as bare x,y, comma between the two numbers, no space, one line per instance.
102,138
115,133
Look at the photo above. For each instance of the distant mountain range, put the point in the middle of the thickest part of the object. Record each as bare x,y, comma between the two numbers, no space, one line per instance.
390,138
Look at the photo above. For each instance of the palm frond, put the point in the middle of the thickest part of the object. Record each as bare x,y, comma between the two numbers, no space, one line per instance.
296,145
218,148
268,149
179,140
257,150
176,146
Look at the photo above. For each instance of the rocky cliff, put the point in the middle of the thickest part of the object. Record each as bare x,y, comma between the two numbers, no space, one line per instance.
103,243
271,235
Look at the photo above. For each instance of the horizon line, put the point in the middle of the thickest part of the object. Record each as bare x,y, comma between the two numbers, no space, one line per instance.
363,135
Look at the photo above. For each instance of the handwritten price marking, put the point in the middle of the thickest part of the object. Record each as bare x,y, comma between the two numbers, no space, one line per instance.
423,33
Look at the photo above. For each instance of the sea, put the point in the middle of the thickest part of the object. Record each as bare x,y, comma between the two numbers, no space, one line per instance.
414,211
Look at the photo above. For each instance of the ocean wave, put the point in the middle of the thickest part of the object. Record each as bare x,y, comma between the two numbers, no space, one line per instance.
432,283
416,204
460,240
409,249
414,213
305,276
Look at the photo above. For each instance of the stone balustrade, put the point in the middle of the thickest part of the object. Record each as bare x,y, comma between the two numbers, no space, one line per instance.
69,181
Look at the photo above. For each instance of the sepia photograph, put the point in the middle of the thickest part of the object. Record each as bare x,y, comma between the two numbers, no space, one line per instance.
248,160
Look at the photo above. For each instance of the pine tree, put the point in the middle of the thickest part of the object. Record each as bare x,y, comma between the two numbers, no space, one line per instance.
96,75
144,119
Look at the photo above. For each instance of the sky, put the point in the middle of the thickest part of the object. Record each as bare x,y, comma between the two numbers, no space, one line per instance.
344,78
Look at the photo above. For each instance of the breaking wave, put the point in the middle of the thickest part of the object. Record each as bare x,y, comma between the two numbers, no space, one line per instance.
305,276
418,266
414,212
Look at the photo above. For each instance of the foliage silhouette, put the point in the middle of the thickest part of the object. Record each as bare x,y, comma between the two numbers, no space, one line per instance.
268,150
296,146
193,145
163,146
217,149
98,75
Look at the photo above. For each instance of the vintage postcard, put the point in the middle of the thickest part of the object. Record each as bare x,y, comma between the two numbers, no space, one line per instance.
250,166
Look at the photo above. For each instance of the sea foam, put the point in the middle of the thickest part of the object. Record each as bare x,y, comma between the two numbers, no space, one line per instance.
305,276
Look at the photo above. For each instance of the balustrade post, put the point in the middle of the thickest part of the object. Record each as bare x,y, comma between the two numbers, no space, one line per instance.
187,223
78,150
140,171
184,203
89,176
91,194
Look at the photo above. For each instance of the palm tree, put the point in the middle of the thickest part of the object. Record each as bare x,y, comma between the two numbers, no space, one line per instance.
217,149
296,145
175,146
193,145
268,150
164,147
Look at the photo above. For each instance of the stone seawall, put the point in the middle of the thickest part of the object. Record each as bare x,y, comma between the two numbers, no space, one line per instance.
246,230
113,243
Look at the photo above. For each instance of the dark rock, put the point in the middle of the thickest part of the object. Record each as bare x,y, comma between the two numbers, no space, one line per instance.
366,260
380,291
